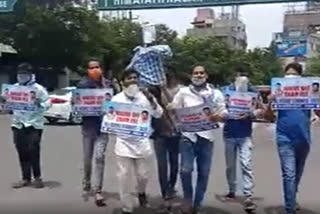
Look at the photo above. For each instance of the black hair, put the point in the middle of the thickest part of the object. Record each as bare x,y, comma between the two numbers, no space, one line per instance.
278,83
25,67
316,84
206,108
93,59
242,69
294,65
145,112
127,73
198,65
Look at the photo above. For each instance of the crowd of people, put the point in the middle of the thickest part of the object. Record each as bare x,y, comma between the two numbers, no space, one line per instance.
175,151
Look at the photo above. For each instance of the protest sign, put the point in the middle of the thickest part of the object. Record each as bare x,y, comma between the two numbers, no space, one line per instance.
19,98
126,120
296,93
240,103
89,102
195,119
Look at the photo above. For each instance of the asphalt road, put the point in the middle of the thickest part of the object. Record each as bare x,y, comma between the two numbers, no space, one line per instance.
62,173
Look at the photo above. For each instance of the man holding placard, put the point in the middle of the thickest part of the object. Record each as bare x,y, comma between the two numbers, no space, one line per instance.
237,133
28,101
133,146
88,100
198,134
293,127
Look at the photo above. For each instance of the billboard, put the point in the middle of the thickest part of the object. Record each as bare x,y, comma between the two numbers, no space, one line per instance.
155,4
287,49
290,36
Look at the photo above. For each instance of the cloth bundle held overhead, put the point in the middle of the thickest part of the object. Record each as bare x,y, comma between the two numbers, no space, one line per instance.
149,63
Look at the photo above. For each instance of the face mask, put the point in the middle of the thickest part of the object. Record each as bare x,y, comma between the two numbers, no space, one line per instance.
132,90
197,81
95,74
242,84
291,76
24,78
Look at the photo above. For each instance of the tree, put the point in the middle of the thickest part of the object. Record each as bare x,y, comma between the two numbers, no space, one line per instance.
165,35
220,61
67,36
313,66
120,38
264,65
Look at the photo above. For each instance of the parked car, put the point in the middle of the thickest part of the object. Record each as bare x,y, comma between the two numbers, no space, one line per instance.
61,108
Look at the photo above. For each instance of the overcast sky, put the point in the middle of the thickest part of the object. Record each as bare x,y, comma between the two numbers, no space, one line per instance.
261,20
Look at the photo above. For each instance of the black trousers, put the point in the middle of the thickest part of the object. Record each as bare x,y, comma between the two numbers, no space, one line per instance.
27,142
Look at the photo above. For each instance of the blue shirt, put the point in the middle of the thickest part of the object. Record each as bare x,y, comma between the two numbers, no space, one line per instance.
238,128
293,126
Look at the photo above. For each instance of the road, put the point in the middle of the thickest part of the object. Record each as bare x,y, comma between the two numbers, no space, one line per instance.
61,161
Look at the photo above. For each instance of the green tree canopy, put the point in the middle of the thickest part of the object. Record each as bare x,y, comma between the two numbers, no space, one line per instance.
66,36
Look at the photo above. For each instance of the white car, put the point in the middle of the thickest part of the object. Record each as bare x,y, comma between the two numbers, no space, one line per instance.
61,108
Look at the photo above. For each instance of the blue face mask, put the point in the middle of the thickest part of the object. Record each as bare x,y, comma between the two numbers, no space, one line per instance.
24,78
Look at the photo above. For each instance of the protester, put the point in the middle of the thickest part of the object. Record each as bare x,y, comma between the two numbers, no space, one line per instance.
197,146
27,129
133,153
237,134
293,142
166,140
94,142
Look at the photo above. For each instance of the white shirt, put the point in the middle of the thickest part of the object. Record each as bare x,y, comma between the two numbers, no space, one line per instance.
186,98
35,119
134,147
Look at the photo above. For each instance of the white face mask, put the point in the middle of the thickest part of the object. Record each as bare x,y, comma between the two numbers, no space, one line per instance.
242,84
24,78
197,81
291,76
132,90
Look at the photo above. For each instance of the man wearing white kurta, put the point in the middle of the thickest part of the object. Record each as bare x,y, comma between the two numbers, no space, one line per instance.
132,152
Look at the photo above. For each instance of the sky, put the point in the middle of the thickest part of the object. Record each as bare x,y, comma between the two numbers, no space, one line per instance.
261,20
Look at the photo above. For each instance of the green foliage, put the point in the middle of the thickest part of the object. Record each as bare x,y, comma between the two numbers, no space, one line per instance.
60,35
313,66
220,61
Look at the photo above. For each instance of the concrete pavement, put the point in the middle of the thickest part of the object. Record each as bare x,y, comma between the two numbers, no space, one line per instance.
62,163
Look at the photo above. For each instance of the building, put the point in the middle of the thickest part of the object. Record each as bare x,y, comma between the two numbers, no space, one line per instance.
304,21
227,27
300,39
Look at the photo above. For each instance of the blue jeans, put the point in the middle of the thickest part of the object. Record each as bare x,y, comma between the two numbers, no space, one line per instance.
244,147
202,151
167,153
292,158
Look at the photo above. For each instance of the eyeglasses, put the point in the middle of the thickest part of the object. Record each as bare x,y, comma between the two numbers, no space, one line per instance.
96,67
